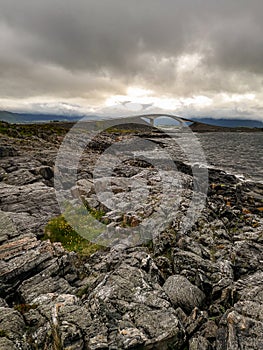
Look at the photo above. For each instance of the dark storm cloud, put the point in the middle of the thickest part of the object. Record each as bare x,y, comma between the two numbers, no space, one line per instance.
79,47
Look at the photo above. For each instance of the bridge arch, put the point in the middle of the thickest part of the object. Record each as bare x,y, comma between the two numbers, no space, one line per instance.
153,116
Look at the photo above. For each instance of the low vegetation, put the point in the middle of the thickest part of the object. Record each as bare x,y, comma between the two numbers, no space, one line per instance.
28,130
58,230
79,240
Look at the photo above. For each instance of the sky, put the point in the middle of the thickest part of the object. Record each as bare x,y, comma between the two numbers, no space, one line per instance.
121,57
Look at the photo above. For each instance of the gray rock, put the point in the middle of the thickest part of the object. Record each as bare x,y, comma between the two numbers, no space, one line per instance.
7,344
12,327
21,177
239,328
199,343
243,324
3,303
34,198
37,285
30,207
120,302
183,293
46,172
7,151
22,259
132,301
247,256
197,270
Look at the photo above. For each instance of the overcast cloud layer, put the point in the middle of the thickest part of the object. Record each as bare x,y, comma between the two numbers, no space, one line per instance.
191,57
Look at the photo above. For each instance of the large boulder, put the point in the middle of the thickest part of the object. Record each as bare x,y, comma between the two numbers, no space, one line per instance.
183,293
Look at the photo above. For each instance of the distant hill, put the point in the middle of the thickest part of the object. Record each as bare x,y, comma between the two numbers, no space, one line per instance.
24,118
230,123
202,127
8,117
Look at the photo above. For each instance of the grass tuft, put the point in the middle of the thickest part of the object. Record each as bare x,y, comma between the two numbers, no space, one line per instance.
58,230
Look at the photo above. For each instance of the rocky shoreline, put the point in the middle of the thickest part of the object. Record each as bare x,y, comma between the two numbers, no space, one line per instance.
200,290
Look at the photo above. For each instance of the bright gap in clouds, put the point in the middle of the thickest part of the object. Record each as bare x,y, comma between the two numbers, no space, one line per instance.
134,92
136,97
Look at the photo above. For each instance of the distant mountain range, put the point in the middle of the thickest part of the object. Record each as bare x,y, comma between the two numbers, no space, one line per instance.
21,118
230,123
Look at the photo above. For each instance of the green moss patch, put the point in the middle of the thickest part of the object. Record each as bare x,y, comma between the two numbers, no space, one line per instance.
58,230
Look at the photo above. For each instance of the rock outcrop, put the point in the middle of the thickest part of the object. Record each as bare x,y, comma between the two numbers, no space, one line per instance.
201,289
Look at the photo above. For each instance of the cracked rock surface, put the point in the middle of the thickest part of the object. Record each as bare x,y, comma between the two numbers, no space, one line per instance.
198,290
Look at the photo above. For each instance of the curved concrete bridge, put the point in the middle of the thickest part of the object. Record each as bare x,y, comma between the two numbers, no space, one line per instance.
144,119
151,118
